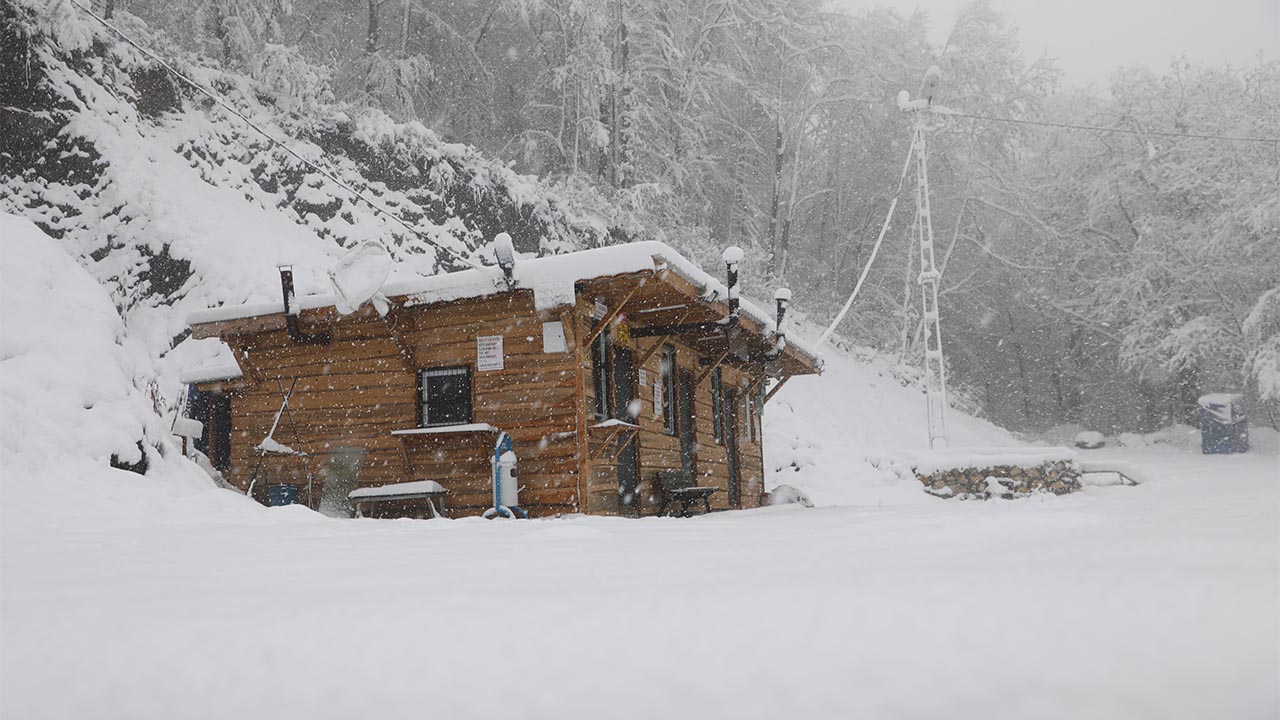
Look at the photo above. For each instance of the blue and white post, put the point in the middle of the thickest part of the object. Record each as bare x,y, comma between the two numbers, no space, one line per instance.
506,481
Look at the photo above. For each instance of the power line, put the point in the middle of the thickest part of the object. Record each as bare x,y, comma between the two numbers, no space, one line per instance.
321,171
1099,128
906,165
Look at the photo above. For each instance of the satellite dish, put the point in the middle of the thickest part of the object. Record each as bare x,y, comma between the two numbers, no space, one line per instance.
359,275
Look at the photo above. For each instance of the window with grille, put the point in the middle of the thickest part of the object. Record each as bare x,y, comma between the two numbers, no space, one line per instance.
444,396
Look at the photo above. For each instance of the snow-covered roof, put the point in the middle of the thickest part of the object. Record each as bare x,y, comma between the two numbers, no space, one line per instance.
551,278
215,361
212,372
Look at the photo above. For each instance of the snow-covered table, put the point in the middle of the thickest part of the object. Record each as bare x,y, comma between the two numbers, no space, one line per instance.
428,490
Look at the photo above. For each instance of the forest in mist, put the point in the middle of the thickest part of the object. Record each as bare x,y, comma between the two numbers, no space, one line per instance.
1097,278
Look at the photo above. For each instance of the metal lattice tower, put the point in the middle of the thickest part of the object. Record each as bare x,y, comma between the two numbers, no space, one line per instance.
934,367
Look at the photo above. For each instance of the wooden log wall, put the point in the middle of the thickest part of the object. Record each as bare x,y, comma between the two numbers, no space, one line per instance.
356,390
659,450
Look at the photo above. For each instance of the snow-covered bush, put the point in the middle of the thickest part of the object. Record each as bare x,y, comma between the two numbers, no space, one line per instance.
1262,330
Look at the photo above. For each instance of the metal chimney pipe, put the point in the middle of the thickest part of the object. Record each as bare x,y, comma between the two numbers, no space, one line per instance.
286,287
291,322
782,297
732,256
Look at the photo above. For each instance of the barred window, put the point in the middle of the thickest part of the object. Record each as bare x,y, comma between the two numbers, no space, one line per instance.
445,396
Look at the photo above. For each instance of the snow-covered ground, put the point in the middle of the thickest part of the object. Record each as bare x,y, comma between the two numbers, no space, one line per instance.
1156,601
124,596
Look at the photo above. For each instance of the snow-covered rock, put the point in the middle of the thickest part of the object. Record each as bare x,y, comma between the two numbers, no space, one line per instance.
787,495
1089,440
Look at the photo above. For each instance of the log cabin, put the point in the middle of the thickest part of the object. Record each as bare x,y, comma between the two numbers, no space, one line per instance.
604,367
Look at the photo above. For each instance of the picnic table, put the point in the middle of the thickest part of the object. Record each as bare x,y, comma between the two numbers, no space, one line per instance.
679,486
428,490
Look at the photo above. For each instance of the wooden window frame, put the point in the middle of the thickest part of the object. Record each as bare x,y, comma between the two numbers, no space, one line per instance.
423,401
717,409
758,418
667,376
602,374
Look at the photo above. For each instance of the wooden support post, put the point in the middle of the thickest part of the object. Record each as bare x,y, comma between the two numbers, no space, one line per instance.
570,320
776,388
653,349
711,369
613,434
604,323
408,464
241,351
623,446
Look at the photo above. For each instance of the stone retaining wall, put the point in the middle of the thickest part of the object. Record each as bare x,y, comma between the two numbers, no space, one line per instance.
1005,481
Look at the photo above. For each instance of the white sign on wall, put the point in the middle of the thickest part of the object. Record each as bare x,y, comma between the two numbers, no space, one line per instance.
489,353
644,377
657,399
553,340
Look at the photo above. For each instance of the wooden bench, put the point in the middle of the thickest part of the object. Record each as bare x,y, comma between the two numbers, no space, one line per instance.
678,486
428,490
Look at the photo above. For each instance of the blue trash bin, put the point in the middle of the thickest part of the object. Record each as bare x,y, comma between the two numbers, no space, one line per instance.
280,494
1224,427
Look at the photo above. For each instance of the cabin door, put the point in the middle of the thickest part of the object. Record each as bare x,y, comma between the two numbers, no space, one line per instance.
688,439
624,393
729,416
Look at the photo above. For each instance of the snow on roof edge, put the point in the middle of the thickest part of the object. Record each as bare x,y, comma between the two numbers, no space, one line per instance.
210,373
552,279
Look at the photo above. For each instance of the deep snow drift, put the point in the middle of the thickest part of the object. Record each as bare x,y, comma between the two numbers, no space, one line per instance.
72,395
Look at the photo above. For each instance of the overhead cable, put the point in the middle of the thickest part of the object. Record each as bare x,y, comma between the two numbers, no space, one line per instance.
1099,128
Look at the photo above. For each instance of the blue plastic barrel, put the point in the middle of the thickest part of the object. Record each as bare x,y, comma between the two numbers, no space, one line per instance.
279,494
1224,428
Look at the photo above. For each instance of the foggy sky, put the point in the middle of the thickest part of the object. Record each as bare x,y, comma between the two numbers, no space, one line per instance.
1092,38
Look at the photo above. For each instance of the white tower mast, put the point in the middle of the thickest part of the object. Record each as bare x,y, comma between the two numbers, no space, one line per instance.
934,367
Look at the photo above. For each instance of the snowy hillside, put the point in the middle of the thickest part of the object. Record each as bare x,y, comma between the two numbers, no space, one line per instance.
174,204
844,437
